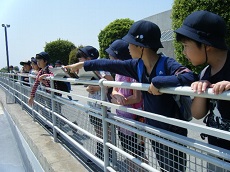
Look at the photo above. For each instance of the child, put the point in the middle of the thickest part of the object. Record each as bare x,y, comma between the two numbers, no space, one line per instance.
203,37
35,68
42,61
144,41
118,50
90,53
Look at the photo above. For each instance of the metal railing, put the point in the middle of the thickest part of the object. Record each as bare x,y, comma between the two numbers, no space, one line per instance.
95,131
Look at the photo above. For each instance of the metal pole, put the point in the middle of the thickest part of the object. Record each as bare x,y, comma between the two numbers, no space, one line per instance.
7,53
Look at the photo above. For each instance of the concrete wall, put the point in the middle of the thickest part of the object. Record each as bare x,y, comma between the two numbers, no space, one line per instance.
163,20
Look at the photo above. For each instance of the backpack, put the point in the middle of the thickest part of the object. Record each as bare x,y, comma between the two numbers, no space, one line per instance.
183,102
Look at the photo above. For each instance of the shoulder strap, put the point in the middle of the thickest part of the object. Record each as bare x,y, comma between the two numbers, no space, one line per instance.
203,72
160,69
140,68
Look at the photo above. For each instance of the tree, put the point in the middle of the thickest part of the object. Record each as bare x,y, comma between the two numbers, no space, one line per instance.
115,30
72,56
59,50
182,8
16,68
4,70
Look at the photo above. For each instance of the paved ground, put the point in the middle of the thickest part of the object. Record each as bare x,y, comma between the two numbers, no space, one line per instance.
10,159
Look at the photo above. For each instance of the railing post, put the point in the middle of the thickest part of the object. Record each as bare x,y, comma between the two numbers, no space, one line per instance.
21,84
104,124
52,110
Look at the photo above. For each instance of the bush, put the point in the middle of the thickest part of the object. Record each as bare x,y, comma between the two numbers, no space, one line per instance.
115,30
72,56
59,50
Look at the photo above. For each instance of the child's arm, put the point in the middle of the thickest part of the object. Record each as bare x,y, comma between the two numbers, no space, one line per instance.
34,89
175,75
135,98
126,67
122,100
199,105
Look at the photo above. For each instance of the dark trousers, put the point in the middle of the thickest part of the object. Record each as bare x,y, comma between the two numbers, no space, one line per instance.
170,159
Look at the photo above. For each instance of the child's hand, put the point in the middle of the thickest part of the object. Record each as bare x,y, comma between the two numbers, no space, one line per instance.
42,77
120,99
200,86
92,89
153,90
31,101
75,67
219,87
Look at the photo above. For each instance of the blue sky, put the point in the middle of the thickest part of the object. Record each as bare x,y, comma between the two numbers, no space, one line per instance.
33,23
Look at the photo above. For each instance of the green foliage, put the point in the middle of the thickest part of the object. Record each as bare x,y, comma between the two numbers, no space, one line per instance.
4,69
16,68
59,50
72,56
182,8
115,30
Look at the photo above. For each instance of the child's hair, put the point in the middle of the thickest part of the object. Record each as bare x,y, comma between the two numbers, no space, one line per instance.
80,54
182,38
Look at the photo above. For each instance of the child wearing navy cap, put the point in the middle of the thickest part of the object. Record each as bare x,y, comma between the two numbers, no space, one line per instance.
43,62
91,53
144,42
118,50
203,37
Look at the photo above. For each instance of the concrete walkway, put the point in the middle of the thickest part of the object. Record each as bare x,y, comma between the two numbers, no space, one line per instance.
10,158
52,156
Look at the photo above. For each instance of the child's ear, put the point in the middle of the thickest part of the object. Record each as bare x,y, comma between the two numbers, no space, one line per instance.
209,48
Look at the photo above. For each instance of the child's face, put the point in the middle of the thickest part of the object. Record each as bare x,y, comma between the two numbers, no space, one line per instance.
195,54
34,66
41,63
27,67
135,51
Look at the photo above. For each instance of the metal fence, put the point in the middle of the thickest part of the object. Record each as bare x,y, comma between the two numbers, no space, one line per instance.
115,143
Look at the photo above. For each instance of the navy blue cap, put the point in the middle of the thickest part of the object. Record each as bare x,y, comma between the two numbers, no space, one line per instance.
205,27
58,62
43,55
28,62
33,60
145,34
119,50
90,51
